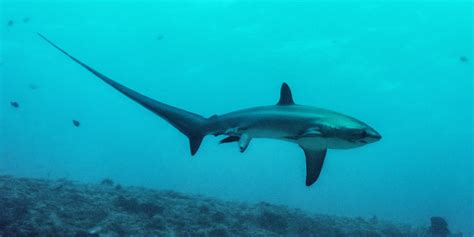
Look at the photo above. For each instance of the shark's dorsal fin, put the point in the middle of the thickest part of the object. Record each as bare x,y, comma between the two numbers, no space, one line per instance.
285,95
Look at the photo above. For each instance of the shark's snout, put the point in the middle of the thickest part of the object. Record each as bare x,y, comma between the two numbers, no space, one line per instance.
372,135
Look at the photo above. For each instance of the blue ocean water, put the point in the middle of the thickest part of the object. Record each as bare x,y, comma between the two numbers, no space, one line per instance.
404,67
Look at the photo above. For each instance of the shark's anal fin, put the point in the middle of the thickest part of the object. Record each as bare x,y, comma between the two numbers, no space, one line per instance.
244,142
230,139
314,163
285,95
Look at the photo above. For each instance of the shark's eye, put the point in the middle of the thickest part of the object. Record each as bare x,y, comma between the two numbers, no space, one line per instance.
363,133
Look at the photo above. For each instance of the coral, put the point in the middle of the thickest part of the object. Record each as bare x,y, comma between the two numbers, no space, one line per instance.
218,231
83,233
391,230
12,211
204,209
107,182
272,221
151,209
199,233
439,227
30,207
374,220
132,205
127,204
118,187
157,223
218,217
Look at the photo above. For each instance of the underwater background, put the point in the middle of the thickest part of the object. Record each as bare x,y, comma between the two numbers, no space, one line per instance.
404,67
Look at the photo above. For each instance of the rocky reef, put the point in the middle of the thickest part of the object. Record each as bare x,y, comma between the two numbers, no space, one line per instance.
32,207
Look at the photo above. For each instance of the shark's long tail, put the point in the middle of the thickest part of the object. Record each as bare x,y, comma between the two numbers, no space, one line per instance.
192,125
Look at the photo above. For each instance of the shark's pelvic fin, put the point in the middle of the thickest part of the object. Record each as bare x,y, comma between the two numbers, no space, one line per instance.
285,95
192,125
314,163
244,142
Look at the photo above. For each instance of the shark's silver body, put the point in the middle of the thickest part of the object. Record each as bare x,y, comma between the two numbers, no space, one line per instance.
315,130
289,123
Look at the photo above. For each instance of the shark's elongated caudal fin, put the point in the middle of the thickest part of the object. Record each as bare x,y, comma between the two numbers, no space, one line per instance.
192,125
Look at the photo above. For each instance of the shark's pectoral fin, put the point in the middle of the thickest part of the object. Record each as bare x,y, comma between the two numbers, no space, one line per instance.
230,139
314,163
244,142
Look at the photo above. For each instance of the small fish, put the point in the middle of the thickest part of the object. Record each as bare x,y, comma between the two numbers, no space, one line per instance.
463,59
160,37
14,104
10,23
33,86
26,19
76,123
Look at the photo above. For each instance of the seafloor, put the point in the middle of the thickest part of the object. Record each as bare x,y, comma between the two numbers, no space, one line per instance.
33,207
